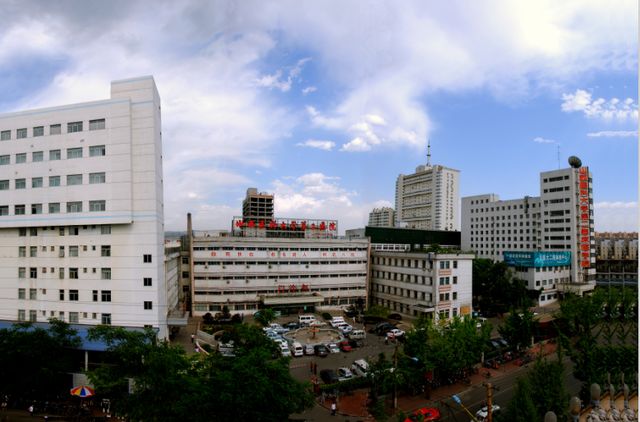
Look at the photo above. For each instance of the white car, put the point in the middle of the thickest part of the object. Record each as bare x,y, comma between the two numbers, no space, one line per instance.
344,374
481,415
333,348
345,328
316,323
395,333
360,368
335,321
309,350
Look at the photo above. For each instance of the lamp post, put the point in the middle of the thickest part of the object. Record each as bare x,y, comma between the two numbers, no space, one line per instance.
458,401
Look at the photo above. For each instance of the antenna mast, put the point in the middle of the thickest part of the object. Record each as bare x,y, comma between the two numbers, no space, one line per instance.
428,152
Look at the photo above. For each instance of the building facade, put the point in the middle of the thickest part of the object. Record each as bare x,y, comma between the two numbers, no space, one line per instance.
438,285
81,215
257,206
382,217
428,199
617,259
559,220
287,274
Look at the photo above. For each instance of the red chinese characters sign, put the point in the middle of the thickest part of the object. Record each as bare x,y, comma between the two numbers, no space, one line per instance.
292,288
584,218
287,224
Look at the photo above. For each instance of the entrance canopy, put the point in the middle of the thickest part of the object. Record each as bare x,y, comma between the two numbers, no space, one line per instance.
292,300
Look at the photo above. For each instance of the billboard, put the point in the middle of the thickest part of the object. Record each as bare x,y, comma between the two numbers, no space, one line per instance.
537,259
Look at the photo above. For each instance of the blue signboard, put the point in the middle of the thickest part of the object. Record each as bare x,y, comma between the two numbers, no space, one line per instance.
537,259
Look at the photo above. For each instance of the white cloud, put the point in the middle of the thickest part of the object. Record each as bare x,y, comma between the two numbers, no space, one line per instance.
616,216
313,143
309,90
614,134
275,80
541,140
356,145
612,109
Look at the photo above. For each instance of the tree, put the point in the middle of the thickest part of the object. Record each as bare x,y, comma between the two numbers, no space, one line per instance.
494,288
521,407
377,310
547,386
518,328
265,316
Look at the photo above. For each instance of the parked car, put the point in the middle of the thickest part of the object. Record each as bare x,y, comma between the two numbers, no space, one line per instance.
297,349
308,350
344,374
345,346
329,376
426,414
360,368
395,333
316,323
481,415
345,328
335,321
321,350
292,325
355,343
382,328
357,334
396,317
333,348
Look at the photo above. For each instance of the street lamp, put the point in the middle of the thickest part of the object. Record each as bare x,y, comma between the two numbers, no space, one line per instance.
458,401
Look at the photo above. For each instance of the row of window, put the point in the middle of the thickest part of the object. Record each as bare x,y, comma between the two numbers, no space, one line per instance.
250,306
273,291
54,155
399,291
277,249
73,272
72,230
507,217
74,317
105,250
247,263
54,129
498,208
278,277
54,208
54,181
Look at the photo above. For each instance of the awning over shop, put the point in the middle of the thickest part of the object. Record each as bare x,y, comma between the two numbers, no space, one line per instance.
423,308
292,300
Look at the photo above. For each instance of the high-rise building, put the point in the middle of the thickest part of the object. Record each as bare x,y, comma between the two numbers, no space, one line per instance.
81,215
549,240
382,217
617,259
257,206
428,199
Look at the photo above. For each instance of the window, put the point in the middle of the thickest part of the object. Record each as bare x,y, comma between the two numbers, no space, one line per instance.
37,156
455,295
36,182
74,153
54,208
33,315
148,305
73,250
54,154
105,273
38,131
74,127
4,185
73,317
21,158
5,135
95,295
22,251
74,179
96,178
4,160
21,294
19,210
22,272
146,258
55,129
147,281
455,279
33,272
73,273
96,124
33,231
21,133
97,151
97,206
105,295
106,319
33,251
61,294
74,207
73,231
105,229
21,315
4,210
455,264
21,183
105,250
73,295
61,273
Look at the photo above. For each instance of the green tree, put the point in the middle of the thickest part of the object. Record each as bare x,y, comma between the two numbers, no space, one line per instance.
494,288
547,386
521,408
265,316
518,328
377,310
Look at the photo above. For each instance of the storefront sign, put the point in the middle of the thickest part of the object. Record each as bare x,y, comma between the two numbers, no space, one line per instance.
537,259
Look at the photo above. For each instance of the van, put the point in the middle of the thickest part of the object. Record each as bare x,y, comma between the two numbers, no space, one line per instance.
296,349
306,319
357,335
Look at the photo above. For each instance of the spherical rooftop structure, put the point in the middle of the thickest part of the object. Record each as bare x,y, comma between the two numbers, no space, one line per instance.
575,162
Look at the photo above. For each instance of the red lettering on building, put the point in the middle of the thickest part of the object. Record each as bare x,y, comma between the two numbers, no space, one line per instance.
213,254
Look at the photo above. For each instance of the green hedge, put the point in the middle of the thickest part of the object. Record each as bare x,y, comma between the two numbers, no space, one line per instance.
347,385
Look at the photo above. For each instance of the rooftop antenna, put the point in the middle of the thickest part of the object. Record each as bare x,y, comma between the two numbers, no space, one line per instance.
428,152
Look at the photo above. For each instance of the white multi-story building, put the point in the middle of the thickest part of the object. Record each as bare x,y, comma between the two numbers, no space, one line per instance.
415,283
382,217
560,220
81,211
286,274
428,199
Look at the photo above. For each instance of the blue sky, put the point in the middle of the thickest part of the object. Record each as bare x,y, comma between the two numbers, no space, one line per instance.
325,103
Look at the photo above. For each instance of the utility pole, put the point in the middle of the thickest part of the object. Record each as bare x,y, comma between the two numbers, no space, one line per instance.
489,400
395,376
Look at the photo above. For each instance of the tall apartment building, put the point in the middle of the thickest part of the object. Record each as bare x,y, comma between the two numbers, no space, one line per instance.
81,212
428,199
528,232
617,259
382,217
257,206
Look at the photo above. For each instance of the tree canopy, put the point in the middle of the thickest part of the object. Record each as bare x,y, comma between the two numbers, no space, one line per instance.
495,290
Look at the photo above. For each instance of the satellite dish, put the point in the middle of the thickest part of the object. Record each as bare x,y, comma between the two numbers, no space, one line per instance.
575,162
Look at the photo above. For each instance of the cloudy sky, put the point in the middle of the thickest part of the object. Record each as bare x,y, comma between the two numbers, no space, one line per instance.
325,103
